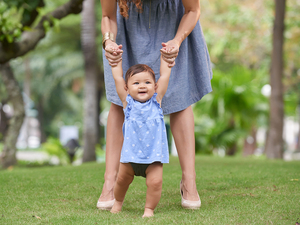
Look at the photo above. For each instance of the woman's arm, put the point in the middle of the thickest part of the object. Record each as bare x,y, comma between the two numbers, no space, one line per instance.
187,24
109,24
188,21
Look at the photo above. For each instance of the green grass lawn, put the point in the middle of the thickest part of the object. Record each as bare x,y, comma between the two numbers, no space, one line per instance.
232,191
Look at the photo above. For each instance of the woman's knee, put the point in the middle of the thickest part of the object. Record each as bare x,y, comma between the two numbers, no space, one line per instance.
116,110
185,112
111,175
183,116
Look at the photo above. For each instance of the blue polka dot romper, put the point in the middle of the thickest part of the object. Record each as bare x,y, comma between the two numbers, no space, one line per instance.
145,139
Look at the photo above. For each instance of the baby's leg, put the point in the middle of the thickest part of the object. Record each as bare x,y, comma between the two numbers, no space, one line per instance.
154,185
124,179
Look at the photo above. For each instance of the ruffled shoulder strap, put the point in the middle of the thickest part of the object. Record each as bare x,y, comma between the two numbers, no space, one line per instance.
155,100
129,101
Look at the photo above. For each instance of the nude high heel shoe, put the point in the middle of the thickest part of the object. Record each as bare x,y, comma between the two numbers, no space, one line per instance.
105,205
187,204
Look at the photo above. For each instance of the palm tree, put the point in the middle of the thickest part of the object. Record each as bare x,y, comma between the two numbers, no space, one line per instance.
274,145
89,47
233,107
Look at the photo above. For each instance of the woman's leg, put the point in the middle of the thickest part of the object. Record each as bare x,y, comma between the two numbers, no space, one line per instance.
154,174
182,127
125,177
114,141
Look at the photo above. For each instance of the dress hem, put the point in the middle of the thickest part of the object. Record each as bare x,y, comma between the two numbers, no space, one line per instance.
145,162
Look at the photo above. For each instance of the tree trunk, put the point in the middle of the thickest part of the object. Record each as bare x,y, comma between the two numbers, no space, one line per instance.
298,138
27,80
275,141
250,143
40,108
88,42
101,132
3,121
8,156
231,150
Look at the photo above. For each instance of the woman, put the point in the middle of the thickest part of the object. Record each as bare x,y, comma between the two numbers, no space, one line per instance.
143,28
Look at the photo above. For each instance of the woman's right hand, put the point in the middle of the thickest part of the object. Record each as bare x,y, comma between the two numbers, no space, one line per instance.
113,52
170,51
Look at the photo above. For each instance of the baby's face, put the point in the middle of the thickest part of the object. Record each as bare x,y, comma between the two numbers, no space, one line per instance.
141,86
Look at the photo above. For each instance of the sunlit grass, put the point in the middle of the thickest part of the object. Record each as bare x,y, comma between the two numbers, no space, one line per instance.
232,190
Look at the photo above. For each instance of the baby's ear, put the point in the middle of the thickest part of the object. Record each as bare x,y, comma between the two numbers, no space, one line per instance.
126,88
155,87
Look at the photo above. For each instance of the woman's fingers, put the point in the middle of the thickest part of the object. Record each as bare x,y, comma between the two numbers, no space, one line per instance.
169,52
113,56
117,53
113,47
163,44
113,53
168,55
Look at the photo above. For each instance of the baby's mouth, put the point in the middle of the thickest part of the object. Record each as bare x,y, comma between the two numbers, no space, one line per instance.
142,92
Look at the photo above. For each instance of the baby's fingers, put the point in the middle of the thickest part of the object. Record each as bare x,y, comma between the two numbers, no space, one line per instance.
114,63
169,60
114,60
171,64
113,55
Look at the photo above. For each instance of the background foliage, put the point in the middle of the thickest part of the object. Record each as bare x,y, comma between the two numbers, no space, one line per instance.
238,35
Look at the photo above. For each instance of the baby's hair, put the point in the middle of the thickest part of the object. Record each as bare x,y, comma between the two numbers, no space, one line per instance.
138,68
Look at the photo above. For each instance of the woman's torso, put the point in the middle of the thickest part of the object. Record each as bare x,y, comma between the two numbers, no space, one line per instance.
141,36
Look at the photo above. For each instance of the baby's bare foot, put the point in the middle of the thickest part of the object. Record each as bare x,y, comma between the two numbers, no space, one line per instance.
117,207
148,212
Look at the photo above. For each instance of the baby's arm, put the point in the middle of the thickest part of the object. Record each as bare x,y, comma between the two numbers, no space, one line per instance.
117,73
163,81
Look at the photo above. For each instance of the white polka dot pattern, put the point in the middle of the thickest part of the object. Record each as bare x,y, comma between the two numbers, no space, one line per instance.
145,133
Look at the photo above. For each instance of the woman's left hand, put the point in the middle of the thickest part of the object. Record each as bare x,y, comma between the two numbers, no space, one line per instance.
170,52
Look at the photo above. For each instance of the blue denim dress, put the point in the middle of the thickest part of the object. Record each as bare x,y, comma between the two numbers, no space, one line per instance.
141,36
144,130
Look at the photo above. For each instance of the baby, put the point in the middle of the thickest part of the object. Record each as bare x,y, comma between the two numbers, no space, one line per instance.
145,146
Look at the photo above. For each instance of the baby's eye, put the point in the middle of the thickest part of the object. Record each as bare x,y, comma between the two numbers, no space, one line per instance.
148,82
136,83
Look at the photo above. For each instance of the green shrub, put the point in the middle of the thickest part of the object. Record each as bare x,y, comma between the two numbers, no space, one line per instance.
54,148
